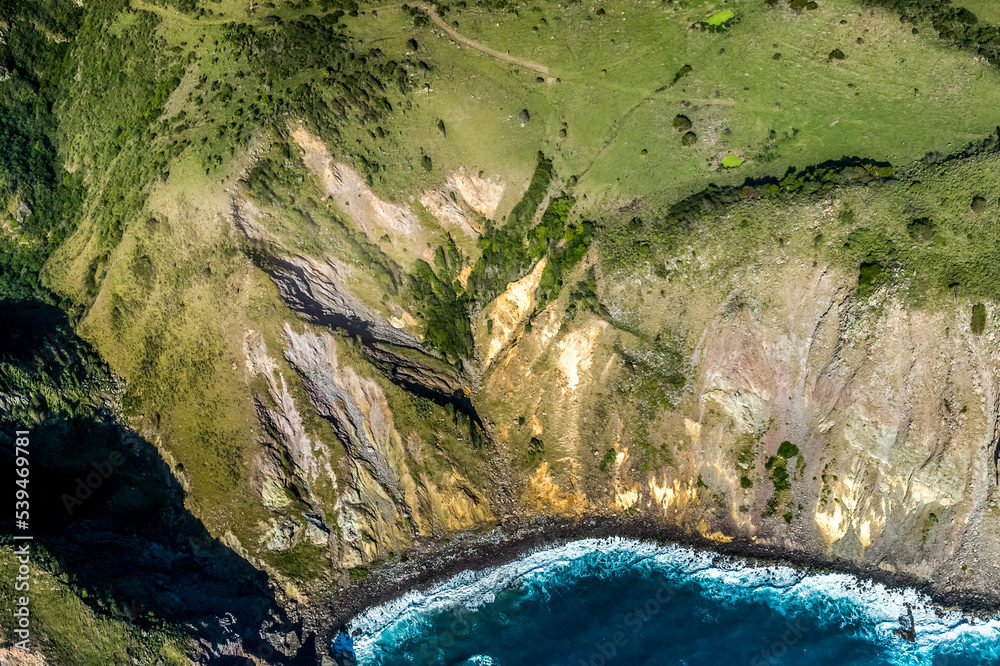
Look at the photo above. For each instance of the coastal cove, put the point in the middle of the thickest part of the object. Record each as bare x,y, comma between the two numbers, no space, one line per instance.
595,601
440,577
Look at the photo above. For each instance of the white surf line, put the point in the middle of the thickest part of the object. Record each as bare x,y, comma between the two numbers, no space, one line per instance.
832,599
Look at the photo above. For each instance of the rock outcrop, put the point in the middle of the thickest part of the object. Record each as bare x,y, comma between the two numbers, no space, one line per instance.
317,290
391,501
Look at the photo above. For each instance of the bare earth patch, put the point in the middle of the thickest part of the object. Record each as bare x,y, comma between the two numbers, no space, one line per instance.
482,194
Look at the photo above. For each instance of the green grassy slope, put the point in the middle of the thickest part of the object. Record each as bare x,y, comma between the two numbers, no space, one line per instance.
893,97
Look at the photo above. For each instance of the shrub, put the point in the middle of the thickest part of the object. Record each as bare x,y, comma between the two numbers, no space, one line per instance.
921,229
978,318
504,258
868,276
608,460
788,450
778,467
681,73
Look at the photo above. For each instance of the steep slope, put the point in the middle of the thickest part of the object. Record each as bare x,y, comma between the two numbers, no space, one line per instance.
366,292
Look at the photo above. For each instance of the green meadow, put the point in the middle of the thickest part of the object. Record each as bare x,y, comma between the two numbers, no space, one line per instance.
764,89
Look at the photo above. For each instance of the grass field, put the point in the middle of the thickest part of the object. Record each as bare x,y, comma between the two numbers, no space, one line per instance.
894,97
606,105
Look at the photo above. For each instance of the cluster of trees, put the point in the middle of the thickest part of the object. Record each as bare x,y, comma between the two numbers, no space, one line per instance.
952,23
625,244
33,185
504,256
107,80
508,252
562,256
108,112
445,312
318,74
84,84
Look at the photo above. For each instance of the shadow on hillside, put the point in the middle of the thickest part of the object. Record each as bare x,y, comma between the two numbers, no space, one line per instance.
105,506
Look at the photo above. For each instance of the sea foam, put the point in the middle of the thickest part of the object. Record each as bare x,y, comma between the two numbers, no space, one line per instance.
833,600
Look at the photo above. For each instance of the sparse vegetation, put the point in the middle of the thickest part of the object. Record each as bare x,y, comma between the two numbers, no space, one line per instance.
655,372
777,468
608,460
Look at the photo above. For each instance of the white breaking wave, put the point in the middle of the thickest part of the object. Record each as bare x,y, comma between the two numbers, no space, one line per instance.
837,600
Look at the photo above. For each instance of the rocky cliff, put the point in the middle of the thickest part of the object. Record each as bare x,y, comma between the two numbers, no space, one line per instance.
742,382
809,371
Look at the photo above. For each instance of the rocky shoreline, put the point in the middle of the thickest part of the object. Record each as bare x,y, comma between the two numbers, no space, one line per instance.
433,561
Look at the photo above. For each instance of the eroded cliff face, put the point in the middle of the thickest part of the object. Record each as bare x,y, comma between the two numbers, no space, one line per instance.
739,394
892,411
388,499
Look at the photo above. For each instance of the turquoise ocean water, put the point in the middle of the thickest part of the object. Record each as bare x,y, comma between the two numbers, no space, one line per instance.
605,602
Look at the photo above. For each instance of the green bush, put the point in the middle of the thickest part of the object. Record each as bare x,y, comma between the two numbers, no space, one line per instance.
332,83
504,258
584,298
31,170
788,450
778,467
445,312
978,318
608,460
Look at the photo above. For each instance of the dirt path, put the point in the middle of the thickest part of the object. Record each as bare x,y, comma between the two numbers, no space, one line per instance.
428,8
459,37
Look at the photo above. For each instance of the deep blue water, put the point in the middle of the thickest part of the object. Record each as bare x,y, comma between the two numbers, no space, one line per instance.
610,602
